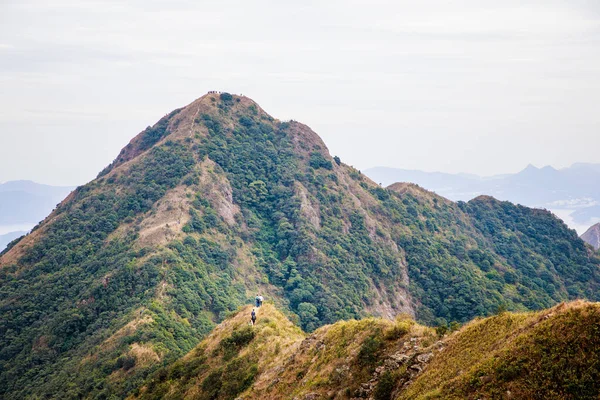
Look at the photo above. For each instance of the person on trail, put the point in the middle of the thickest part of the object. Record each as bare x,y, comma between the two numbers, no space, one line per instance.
253,316
257,301
260,300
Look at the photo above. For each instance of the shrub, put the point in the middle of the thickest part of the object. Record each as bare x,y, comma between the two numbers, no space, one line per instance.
211,385
454,326
125,362
234,343
317,160
441,330
246,121
399,329
226,97
370,350
385,386
238,376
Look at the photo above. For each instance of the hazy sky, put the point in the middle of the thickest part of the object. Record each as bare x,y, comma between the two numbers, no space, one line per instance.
482,86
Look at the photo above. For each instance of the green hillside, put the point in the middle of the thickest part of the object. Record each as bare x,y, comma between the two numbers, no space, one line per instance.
552,354
219,200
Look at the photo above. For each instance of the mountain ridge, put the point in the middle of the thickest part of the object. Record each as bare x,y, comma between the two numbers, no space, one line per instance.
503,355
218,201
570,189
28,202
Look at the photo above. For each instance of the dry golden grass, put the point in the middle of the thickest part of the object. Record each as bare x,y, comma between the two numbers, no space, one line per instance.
479,359
144,354
126,330
274,339
331,363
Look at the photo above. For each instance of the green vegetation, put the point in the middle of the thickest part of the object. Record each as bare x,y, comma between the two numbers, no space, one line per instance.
228,361
218,200
385,387
262,166
331,359
553,354
226,97
240,338
370,350
548,355
77,286
546,256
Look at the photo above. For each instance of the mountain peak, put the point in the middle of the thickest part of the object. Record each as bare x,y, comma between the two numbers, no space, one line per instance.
219,201
532,169
186,122
484,198
214,98
592,236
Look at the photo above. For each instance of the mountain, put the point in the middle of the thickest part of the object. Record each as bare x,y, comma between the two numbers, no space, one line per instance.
575,189
9,237
23,202
592,236
218,201
552,354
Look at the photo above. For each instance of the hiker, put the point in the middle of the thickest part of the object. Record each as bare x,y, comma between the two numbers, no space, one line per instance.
257,301
260,301
253,317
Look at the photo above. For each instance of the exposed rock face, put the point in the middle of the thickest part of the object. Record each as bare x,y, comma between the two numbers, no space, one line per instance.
308,210
592,236
409,363
218,191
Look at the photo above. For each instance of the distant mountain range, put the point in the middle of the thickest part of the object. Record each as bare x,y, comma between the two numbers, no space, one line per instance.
9,237
25,203
573,193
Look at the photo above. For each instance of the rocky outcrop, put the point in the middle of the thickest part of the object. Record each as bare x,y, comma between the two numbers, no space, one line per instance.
407,363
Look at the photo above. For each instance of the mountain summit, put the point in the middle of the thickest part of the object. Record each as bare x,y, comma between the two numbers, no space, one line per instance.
218,201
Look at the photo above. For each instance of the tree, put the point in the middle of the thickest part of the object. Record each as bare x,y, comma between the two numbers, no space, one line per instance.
308,314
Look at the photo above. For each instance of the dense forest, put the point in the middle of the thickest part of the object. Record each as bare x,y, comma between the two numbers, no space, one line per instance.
219,201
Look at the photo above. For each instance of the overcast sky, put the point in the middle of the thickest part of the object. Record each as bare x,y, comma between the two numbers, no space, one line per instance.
476,86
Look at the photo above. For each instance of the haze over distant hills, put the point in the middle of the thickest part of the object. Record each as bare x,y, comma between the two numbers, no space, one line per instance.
572,193
25,203
5,239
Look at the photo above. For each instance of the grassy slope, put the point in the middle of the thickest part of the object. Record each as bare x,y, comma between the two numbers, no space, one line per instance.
552,354
279,361
229,359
